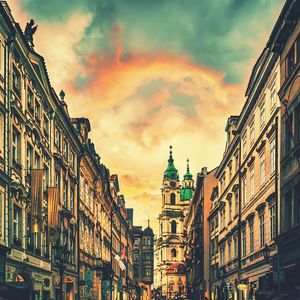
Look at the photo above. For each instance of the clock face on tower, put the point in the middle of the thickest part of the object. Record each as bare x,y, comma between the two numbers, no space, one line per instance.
172,184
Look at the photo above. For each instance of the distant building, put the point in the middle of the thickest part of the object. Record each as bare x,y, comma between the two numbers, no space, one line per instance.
143,260
170,243
198,239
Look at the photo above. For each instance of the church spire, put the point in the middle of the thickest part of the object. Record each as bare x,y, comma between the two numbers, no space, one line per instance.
171,172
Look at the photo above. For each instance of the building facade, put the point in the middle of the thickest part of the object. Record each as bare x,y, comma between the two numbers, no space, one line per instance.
170,243
285,41
143,259
62,221
198,240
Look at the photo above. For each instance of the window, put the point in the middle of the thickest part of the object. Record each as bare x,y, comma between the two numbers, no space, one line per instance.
244,190
236,204
37,111
65,187
65,150
229,250
272,222
235,245
252,182
222,218
17,225
291,61
173,227
16,146
273,94
136,256
37,161
173,253
236,162
161,228
136,242
136,271
272,156
172,199
57,179
46,126
244,144
72,200
72,160
251,235
45,176
262,114
262,169
16,81
229,210
29,243
262,229
30,101
57,137
252,133
244,240
288,125
222,252
29,158
230,170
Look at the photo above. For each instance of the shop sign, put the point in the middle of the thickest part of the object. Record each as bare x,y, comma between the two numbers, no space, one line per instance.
242,287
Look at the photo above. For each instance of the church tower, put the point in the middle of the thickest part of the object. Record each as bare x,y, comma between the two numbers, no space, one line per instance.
169,248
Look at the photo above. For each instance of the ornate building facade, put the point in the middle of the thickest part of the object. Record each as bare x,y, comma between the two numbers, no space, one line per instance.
170,243
61,219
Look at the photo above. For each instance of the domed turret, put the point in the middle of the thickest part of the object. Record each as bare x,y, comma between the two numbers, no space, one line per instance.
171,172
186,192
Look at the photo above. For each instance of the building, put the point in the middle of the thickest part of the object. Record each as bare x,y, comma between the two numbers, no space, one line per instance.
226,223
143,256
213,220
259,128
198,240
31,112
62,221
285,42
170,243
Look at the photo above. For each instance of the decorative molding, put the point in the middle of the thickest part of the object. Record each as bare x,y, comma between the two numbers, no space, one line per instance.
261,146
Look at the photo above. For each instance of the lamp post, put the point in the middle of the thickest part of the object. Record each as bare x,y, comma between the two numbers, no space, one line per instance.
61,257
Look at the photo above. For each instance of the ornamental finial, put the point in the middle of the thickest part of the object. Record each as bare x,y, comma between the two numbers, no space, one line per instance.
188,166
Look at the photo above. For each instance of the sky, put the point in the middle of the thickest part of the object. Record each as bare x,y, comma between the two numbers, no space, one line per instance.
149,74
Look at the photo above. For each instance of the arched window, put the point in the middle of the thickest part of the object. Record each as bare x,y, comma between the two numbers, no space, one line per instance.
173,227
161,228
173,252
172,202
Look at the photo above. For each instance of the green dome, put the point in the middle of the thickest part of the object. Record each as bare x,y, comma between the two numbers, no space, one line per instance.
186,194
188,175
171,172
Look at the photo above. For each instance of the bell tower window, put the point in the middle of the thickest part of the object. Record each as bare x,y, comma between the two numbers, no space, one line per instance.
172,199
173,227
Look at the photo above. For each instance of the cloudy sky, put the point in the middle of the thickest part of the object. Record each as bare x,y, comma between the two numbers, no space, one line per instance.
149,74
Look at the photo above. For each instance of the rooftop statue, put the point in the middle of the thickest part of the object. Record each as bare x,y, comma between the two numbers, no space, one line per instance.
30,29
